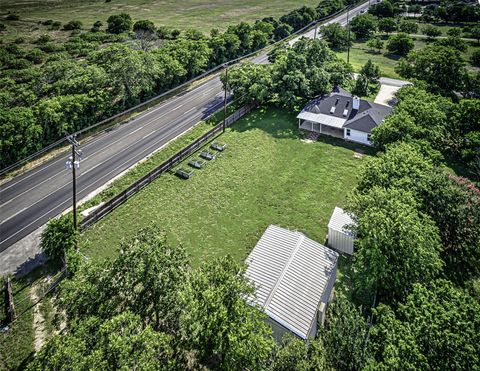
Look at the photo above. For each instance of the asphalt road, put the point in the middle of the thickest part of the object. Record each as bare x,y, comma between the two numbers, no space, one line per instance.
29,200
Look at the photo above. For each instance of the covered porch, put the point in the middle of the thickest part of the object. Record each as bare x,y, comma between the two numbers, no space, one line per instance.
321,123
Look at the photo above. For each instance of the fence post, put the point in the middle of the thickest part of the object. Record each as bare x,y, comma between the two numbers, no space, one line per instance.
9,305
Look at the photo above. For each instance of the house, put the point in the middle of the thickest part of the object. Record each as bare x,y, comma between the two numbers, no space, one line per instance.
340,236
342,115
294,278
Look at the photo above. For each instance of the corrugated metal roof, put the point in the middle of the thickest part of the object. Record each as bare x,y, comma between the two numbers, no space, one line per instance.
340,220
291,273
321,118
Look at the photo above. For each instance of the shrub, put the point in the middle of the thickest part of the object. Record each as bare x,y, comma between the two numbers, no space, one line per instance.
144,25
43,39
72,25
119,23
2,27
96,26
375,44
12,17
48,22
56,25
19,40
36,56
58,237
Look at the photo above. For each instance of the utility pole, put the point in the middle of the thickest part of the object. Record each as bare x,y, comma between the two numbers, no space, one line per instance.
73,164
225,99
348,25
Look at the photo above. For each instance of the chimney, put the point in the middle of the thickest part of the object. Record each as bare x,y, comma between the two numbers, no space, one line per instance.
356,103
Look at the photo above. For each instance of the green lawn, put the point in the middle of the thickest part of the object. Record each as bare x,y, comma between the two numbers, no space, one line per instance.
268,175
199,14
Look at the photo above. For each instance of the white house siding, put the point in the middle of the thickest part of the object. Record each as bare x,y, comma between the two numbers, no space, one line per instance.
340,241
356,136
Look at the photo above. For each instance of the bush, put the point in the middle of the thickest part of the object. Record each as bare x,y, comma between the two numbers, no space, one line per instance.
400,44
144,25
36,56
12,17
19,40
375,44
48,22
43,39
475,59
58,237
72,25
2,27
119,23
56,25
96,26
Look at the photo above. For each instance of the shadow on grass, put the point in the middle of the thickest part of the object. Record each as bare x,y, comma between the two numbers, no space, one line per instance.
394,57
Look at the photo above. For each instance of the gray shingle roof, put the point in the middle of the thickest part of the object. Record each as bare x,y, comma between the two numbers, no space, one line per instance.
368,116
291,273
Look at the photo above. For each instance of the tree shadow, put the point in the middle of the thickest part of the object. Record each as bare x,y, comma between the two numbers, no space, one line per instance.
391,56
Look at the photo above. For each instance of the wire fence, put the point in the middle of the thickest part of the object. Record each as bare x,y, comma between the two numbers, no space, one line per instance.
151,101
166,166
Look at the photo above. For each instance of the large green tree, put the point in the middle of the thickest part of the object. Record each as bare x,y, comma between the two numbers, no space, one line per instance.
336,36
218,325
364,26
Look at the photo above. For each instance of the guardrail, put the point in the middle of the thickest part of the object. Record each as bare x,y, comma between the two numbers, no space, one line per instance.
177,158
59,142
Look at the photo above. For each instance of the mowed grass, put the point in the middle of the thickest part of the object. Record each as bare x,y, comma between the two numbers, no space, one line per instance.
199,14
268,175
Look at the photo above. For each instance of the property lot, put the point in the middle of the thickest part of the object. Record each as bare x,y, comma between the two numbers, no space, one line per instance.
267,175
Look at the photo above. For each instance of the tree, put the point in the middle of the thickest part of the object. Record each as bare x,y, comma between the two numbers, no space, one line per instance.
345,336
96,26
454,32
415,9
475,58
369,75
387,25
119,23
336,36
475,33
218,323
282,31
120,342
364,26
400,44
58,237
250,83
375,44
194,55
296,354
408,27
436,328
441,67
396,246
145,278
432,31
383,9
453,42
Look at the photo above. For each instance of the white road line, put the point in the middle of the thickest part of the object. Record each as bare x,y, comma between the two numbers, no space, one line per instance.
145,136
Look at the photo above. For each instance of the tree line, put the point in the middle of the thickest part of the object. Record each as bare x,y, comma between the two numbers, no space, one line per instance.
56,88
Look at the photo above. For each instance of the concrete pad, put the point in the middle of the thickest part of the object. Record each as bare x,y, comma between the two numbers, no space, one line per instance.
386,94
24,255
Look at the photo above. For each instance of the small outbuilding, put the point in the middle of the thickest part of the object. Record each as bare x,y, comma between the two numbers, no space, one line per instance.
340,236
294,278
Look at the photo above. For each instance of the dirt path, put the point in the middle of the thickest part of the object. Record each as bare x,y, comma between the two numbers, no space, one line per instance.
38,318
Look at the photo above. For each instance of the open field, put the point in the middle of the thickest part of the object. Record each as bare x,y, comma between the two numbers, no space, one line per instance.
199,14
268,175
360,54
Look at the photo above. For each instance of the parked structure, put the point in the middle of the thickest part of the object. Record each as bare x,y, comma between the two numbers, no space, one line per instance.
340,237
342,115
294,278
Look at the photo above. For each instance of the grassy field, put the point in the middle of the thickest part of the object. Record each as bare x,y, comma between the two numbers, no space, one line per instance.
199,14
268,175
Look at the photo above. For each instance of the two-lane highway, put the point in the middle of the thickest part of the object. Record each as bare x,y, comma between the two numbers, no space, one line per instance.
29,200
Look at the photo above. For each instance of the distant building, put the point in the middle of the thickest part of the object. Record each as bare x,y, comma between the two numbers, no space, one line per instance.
294,278
342,115
340,237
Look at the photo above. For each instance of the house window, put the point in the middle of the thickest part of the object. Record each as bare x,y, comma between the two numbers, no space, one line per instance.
348,132
369,136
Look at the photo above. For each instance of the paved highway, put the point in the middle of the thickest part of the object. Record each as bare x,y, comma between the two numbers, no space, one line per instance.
29,200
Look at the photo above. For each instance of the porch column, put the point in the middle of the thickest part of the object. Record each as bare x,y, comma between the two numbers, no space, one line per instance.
320,128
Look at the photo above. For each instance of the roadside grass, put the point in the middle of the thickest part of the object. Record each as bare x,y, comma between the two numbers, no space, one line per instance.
198,14
17,345
156,159
267,175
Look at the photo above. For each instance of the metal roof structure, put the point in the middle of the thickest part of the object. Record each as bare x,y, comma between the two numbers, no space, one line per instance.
333,121
340,221
291,273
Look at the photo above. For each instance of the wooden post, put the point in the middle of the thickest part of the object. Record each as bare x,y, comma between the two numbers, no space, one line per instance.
9,305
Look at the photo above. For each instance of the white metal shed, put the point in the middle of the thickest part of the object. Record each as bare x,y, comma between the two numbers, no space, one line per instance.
294,278
340,237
